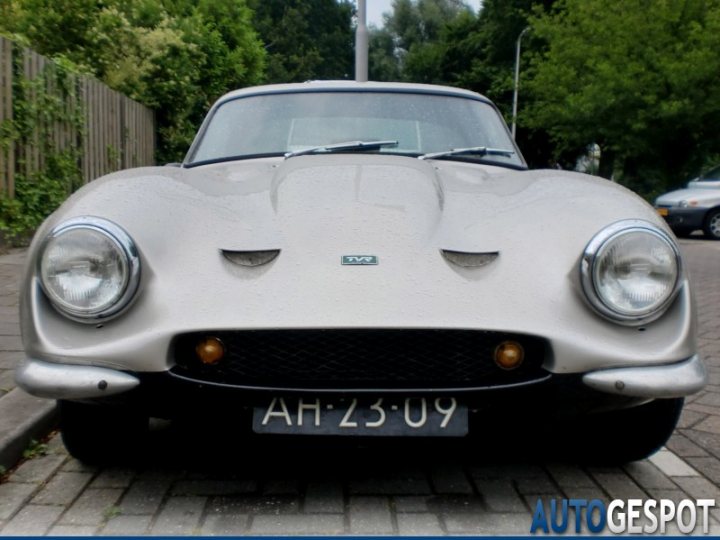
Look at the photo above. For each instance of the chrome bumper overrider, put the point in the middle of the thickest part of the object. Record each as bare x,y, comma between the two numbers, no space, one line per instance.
664,381
65,381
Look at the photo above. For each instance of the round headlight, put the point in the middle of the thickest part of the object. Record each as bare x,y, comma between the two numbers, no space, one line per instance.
631,271
89,268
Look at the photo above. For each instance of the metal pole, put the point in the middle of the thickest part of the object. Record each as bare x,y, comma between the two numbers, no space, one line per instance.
361,44
517,80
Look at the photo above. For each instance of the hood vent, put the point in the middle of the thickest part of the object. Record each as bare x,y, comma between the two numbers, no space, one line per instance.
251,258
470,260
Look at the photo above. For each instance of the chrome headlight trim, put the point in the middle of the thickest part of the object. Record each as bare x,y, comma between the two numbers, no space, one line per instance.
587,266
122,241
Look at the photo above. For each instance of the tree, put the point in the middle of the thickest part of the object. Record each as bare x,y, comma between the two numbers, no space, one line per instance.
640,78
174,56
410,47
305,39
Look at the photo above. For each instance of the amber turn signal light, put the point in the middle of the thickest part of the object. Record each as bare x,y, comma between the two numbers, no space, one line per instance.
210,350
509,355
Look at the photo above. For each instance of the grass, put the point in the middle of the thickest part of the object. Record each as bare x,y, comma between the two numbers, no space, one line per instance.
35,449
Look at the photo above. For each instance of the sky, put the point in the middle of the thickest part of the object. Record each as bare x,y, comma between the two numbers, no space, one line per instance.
375,9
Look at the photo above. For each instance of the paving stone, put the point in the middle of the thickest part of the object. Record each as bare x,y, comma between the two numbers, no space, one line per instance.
671,465
324,498
698,487
127,526
37,470
700,406
410,503
62,488
537,486
225,525
214,487
451,479
144,496
9,329
708,466
683,447
248,504
500,471
456,504
569,476
73,465
648,475
180,516
7,380
581,493
32,520
407,484
370,515
500,495
419,525
113,478
13,496
488,524
72,530
676,495
707,398
92,507
711,424
300,524
689,418
619,486
11,343
707,441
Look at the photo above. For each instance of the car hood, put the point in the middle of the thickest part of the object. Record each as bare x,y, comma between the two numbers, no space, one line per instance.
321,203
314,210
704,194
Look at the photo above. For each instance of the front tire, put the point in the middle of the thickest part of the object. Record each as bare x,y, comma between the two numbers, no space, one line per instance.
712,224
629,434
96,434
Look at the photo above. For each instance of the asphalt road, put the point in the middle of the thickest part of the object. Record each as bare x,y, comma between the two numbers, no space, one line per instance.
196,480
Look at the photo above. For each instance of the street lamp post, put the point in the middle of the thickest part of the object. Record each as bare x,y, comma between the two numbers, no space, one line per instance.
361,44
517,80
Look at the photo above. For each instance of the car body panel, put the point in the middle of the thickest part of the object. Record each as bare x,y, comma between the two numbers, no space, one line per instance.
400,209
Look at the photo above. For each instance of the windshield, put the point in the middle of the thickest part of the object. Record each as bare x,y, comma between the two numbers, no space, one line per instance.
276,124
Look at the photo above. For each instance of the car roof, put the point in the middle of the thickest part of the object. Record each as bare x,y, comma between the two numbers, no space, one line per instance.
347,86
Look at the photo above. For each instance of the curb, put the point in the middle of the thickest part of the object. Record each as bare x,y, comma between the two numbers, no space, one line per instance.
22,418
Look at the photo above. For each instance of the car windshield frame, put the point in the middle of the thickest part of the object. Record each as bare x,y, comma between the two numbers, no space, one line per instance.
190,162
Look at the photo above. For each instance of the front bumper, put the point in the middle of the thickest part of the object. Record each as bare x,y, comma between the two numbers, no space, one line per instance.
684,218
75,382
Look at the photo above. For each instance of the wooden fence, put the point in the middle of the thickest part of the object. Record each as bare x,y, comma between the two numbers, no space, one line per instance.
110,131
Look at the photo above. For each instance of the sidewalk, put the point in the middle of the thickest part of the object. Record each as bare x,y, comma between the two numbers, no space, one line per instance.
22,417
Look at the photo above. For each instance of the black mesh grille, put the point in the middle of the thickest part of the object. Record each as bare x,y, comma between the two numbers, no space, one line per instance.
359,358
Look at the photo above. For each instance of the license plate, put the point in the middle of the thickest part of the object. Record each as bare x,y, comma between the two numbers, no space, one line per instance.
662,211
420,417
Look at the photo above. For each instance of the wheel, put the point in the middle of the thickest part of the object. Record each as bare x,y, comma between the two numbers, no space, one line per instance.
629,434
101,434
712,224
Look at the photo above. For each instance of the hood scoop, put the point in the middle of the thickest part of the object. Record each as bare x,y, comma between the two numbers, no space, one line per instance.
251,258
470,259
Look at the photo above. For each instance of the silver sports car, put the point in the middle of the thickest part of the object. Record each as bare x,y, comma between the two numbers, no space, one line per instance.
366,259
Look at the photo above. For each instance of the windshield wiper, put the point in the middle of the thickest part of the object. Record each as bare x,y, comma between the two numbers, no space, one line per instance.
475,150
340,147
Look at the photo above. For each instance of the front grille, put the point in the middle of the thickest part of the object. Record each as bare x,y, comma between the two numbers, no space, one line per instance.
359,358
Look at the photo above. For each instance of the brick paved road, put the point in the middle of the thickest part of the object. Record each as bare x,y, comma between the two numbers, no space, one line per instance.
195,482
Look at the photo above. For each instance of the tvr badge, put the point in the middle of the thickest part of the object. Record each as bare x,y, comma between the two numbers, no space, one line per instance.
359,259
